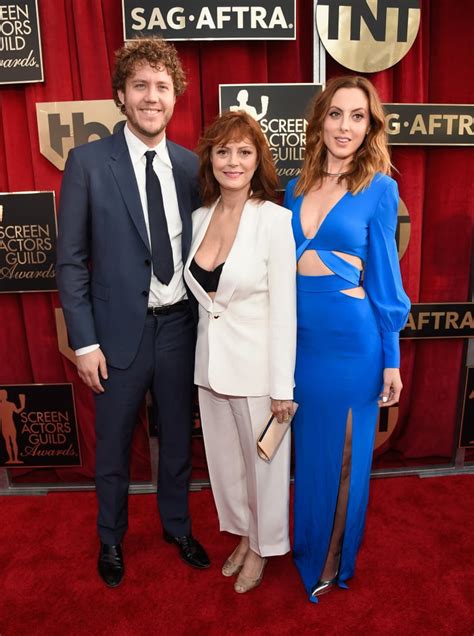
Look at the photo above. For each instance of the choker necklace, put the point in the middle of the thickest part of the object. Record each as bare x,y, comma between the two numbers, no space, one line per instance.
334,174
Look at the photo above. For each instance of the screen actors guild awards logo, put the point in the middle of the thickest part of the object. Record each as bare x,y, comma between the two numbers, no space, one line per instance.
280,110
38,426
367,35
27,242
20,43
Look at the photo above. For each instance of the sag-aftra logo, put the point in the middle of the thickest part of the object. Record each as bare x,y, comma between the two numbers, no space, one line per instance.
210,20
367,35
65,125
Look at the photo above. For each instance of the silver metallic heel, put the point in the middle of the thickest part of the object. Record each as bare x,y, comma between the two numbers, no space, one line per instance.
323,587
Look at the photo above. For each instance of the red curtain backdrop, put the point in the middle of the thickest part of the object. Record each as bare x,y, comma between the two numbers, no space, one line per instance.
79,39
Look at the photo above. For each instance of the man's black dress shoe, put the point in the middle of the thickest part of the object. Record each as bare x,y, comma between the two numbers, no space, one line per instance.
190,550
111,567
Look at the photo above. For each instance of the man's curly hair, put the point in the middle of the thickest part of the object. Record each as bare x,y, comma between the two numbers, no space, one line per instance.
158,53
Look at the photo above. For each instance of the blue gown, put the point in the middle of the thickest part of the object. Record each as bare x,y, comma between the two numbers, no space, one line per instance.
343,345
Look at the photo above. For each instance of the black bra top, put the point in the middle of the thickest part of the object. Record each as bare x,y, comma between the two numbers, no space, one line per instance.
208,280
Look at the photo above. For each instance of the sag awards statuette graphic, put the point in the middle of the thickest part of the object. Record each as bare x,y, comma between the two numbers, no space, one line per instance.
281,111
210,20
27,242
367,35
38,426
7,425
20,42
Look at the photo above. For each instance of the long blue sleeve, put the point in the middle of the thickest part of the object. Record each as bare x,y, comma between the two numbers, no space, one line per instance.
382,279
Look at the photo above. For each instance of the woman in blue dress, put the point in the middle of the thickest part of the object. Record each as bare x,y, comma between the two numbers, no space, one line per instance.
351,307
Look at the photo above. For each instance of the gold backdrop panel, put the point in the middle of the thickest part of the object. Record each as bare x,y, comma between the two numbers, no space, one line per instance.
367,35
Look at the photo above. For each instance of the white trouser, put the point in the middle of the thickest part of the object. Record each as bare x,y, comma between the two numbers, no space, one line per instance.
251,496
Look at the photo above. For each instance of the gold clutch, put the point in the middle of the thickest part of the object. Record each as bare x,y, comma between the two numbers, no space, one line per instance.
272,436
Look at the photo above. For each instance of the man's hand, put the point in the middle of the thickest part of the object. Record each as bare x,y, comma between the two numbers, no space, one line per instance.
91,367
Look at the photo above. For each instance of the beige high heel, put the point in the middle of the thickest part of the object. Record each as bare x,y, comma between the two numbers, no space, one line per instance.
245,584
230,568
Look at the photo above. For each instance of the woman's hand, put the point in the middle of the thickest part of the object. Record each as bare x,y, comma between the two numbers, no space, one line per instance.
282,409
392,387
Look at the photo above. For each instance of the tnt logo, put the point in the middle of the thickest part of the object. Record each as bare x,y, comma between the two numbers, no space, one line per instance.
367,35
65,125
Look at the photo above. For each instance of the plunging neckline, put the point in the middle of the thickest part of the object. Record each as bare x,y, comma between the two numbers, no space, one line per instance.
230,273
211,216
328,213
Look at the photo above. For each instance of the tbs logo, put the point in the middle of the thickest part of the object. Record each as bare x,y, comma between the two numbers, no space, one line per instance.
65,125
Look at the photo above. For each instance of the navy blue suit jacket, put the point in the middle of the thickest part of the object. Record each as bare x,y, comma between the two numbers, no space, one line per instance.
103,265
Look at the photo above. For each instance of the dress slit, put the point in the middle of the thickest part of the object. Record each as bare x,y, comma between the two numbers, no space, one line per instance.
338,371
336,505
344,505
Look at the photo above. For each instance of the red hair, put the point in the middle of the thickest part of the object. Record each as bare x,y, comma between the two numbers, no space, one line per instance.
236,126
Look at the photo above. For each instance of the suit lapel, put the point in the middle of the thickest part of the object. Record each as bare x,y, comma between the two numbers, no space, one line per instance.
181,182
201,296
122,169
238,255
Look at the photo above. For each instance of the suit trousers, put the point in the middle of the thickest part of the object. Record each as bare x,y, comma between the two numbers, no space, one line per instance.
251,496
164,364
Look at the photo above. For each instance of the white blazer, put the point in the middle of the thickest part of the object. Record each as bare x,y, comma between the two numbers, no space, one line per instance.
246,342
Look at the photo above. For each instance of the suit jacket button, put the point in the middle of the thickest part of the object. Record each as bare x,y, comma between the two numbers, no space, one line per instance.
144,292
147,261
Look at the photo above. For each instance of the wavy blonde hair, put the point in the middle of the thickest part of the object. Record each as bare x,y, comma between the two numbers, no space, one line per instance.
372,155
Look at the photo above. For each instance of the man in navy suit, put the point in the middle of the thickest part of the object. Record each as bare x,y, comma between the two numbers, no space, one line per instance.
124,233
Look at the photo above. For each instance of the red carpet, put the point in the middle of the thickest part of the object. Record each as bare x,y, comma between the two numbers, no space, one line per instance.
414,575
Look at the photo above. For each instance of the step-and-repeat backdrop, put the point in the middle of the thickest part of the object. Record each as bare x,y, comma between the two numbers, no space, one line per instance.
43,423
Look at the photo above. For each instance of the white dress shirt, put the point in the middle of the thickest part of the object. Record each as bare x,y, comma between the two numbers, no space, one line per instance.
174,292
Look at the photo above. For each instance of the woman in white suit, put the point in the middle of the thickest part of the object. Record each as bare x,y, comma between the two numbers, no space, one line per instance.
241,268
